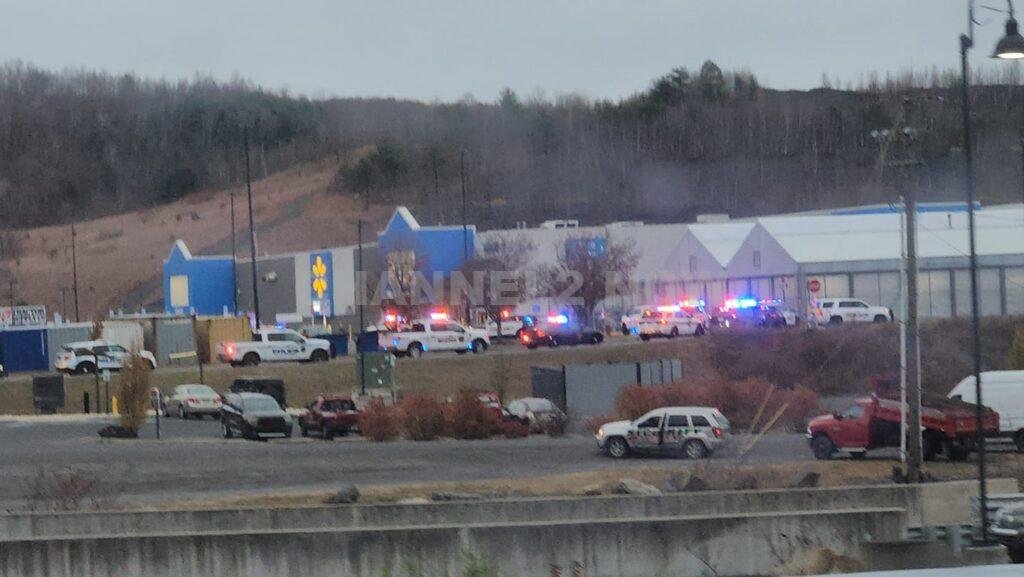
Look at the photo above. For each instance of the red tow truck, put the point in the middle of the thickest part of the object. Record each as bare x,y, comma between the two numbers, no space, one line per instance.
873,422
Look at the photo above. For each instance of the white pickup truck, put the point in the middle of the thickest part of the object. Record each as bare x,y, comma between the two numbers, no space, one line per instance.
428,335
835,311
274,345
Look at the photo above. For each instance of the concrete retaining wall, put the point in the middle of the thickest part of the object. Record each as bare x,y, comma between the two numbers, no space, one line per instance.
694,545
937,504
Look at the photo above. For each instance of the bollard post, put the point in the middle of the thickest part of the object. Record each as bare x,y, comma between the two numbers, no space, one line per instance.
85,402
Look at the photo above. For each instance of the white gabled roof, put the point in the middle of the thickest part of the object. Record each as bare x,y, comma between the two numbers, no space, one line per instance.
723,239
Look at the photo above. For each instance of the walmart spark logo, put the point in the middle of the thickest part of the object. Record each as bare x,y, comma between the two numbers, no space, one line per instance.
319,271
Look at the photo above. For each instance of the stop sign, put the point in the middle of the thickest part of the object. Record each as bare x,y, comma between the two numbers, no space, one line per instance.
814,285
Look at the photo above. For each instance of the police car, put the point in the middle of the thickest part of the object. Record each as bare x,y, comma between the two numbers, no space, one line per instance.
670,321
86,356
631,320
271,344
437,333
694,431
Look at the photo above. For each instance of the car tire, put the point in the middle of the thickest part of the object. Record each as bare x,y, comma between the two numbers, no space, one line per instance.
835,321
858,455
699,331
823,448
695,450
181,412
228,433
85,368
645,338
616,448
673,333
553,343
415,351
478,346
329,434
303,431
881,319
1016,554
531,346
319,356
624,329
1018,440
596,338
250,360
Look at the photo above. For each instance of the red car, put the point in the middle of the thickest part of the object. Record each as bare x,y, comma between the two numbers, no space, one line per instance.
329,415
491,400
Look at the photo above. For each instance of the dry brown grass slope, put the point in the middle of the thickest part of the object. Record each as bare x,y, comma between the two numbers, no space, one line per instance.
120,258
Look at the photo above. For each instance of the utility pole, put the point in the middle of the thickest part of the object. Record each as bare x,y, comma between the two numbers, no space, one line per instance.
74,276
915,446
360,274
465,226
252,236
234,256
10,290
64,302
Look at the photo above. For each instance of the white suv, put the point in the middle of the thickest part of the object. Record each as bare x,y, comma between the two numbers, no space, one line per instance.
696,431
85,356
837,311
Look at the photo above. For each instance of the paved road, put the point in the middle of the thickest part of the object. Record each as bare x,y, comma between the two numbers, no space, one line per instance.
192,461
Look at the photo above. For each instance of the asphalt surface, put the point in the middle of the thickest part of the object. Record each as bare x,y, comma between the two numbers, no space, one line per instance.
192,460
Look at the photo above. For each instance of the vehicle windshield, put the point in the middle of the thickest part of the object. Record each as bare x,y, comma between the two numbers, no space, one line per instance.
263,404
336,405
200,391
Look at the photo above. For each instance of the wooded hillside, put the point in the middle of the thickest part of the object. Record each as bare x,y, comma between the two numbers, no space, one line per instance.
76,145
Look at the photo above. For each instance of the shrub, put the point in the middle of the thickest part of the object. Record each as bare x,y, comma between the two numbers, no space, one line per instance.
556,426
1015,358
514,430
468,418
133,392
423,417
379,422
635,400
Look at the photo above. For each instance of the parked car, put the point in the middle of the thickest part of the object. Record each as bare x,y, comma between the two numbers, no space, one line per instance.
630,322
85,356
263,385
874,422
843,310
3,372
253,416
1004,393
1008,528
511,325
492,401
188,401
329,415
270,345
536,413
696,431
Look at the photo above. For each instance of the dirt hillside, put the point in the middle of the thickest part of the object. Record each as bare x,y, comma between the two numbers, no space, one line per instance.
120,258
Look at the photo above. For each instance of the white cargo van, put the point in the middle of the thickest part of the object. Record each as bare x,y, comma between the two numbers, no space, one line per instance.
1003,392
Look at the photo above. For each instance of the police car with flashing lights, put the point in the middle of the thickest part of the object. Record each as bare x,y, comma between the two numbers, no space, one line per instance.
272,344
630,322
695,431
511,325
557,330
437,333
670,322
834,311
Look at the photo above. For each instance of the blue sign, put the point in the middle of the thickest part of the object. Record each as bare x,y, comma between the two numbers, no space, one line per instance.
321,273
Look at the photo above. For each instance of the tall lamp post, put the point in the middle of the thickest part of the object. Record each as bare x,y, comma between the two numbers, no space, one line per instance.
1009,47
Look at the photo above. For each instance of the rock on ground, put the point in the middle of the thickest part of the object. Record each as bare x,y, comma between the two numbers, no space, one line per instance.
346,495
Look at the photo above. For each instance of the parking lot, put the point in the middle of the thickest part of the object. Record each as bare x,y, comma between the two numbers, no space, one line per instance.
193,461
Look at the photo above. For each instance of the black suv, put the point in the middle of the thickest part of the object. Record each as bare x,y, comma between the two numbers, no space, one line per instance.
266,386
253,416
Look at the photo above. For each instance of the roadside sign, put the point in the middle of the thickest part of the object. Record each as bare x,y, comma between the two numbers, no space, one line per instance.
814,285
106,375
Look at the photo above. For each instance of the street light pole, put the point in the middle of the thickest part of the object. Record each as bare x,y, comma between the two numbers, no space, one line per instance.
252,236
360,274
74,274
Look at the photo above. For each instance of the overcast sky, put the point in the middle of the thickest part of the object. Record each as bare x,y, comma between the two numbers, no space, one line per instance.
443,49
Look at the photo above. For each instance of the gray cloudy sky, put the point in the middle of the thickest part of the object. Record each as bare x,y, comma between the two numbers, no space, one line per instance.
446,48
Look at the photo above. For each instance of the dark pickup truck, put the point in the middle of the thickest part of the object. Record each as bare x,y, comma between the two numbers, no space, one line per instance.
329,415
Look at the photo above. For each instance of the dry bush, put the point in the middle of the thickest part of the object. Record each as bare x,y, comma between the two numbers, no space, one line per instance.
468,418
59,490
133,392
739,401
514,430
422,417
379,421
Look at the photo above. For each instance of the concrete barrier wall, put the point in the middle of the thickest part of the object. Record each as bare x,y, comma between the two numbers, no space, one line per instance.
937,504
694,545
